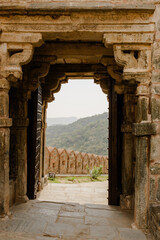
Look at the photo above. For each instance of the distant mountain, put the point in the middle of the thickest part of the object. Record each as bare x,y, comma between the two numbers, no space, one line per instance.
61,121
85,135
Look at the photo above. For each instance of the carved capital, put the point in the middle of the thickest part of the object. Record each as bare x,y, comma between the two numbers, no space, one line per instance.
15,51
136,60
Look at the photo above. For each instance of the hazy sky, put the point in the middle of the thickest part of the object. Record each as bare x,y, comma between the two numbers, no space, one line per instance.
79,98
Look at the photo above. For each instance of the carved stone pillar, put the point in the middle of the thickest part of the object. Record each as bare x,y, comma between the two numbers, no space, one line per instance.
19,112
136,60
143,129
15,51
126,199
5,124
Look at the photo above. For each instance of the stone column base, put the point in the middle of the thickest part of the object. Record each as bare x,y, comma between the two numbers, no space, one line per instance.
21,199
126,202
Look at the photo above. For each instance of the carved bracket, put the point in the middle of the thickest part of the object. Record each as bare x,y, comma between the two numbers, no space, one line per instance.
15,51
37,71
132,51
136,60
53,85
133,57
102,79
113,69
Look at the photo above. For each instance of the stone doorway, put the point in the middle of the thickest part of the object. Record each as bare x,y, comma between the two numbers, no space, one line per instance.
45,44
122,98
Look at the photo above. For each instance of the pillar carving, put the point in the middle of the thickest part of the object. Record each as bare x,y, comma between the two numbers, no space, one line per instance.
133,53
128,164
18,151
15,51
5,124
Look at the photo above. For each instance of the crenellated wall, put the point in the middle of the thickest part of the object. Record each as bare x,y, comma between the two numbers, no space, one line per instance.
62,161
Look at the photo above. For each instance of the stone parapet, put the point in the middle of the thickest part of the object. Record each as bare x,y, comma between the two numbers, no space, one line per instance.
62,161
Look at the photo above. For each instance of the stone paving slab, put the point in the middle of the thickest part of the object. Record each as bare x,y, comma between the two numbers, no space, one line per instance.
47,220
69,221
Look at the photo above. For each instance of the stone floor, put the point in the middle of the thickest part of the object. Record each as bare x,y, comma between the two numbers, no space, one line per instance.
44,219
94,192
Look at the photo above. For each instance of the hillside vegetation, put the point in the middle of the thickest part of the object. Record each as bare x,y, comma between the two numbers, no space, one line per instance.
61,121
85,135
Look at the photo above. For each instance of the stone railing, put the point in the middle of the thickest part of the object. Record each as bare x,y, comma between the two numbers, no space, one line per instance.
62,161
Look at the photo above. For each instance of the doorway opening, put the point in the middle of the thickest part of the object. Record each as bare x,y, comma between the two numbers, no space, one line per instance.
78,151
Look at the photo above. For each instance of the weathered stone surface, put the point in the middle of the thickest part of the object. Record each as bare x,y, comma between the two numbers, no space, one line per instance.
142,109
155,169
141,181
155,150
155,76
144,129
77,162
72,162
158,190
103,231
155,108
154,213
156,55
126,234
54,161
85,163
47,160
152,189
131,35
63,161
92,161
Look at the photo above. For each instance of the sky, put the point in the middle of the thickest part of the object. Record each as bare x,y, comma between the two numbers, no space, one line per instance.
78,98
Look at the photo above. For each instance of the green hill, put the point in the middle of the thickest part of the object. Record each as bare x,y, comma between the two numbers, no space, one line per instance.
88,134
60,121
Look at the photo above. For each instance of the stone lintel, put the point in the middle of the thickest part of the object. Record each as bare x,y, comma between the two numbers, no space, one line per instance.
65,6
20,122
5,122
144,129
126,128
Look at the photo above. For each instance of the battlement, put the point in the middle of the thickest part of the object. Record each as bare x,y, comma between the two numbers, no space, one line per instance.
62,161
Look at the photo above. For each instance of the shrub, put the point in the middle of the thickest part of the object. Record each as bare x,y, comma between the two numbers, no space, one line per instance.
95,172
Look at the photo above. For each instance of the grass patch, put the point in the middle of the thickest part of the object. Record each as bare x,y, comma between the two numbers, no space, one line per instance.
74,179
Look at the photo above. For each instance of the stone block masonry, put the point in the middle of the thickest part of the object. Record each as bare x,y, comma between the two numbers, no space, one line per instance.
62,161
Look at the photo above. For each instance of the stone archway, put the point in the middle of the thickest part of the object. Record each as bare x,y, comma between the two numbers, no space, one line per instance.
125,61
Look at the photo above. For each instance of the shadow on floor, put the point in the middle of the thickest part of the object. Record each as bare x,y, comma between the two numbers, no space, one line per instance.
44,220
